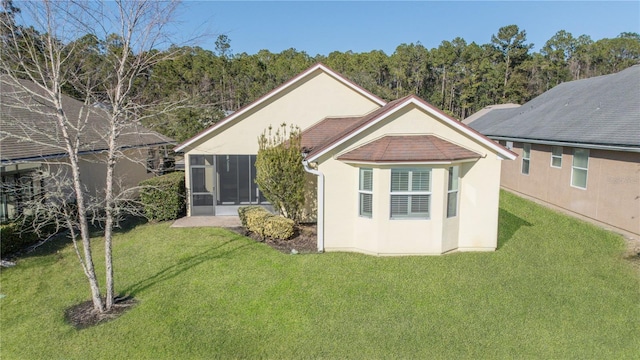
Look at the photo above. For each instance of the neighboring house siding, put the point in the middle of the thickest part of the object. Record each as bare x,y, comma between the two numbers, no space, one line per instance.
129,171
612,195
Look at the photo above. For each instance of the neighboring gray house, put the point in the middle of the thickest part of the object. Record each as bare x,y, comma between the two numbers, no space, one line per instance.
579,147
145,150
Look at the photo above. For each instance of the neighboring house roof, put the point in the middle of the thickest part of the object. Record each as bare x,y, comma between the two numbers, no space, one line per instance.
409,149
599,112
21,113
357,125
273,93
471,118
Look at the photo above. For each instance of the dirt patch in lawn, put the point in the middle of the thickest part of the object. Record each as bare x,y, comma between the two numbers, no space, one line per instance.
305,240
83,315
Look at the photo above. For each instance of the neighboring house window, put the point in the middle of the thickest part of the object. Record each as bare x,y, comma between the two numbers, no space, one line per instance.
410,193
580,168
526,157
509,145
365,191
452,192
556,156
151,161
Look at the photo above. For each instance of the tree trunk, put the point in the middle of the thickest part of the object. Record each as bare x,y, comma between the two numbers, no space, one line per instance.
88,266
108,230
506,76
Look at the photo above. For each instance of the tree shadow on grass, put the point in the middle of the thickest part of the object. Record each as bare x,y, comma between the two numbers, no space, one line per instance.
51,244
185,264
129,223
508,225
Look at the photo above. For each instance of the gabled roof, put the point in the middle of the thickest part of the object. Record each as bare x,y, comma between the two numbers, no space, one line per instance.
363,123
17,123
409,149
599,112
292,82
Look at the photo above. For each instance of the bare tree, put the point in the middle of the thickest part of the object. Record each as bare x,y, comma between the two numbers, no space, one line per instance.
41,62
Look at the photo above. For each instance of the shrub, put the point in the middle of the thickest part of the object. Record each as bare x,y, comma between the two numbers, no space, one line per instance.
242,211
279,171
266,225
14,238
163,197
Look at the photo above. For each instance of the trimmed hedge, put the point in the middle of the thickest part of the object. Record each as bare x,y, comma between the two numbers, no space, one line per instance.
13,238
163,197
260,221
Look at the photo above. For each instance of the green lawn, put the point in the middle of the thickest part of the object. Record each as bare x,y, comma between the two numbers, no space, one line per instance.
556,288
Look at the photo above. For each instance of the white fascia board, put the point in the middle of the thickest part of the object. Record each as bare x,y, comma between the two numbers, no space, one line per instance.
275,92
456,124
569,144
466,130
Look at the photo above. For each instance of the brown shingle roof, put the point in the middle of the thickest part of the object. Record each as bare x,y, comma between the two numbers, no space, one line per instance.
25,116
328,128
409,148
328,131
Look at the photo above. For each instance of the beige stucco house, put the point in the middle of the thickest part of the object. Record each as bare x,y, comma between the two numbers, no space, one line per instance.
396,178
579,148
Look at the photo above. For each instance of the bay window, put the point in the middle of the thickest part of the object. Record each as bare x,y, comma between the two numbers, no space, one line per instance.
410,193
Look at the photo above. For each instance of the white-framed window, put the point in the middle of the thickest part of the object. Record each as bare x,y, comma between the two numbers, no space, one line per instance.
509,145
365,193
579,168
452,191
556,156
526,158
410,193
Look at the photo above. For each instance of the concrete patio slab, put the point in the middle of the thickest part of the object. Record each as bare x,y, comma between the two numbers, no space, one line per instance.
207,221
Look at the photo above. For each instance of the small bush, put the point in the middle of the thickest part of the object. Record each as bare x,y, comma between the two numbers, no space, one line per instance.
278,227
260,221
14,238
242,211
163,197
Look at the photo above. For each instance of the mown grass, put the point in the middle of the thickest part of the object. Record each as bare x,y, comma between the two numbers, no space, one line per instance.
556,288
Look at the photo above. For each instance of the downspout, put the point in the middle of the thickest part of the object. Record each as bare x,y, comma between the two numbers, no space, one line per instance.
320,220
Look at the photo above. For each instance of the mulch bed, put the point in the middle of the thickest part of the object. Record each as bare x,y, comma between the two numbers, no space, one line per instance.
303,241
82,315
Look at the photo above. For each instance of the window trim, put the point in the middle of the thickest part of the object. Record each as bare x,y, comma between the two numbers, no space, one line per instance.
409,193
526,147
450,190
362,192
554,156
574,168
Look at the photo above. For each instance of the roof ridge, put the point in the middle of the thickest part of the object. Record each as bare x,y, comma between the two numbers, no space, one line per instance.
327,70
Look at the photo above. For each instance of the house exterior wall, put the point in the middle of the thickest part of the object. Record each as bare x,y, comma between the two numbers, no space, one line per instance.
129,171
309,101
474,228
612,195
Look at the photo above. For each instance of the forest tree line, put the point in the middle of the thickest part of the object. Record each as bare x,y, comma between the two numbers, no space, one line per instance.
458,77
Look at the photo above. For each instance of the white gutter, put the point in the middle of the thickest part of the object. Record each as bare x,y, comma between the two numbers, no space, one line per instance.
633,148
320,220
